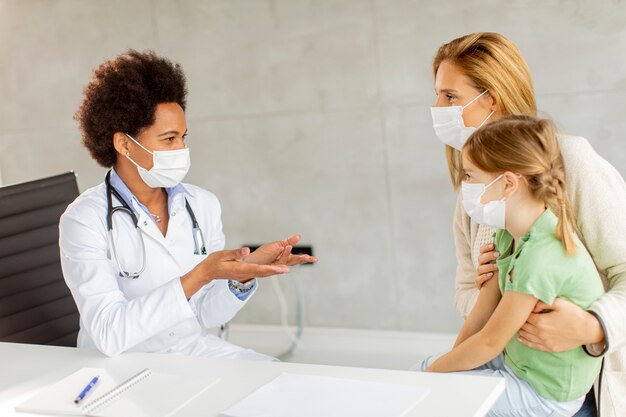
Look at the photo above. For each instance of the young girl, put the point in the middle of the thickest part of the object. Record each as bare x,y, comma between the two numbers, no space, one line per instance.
514,181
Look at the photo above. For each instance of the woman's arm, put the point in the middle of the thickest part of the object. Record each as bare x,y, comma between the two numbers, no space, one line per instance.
600,204
598,195
508,317
466,292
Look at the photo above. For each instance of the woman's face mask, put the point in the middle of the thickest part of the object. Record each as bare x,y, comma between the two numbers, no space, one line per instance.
449,125
491,213
168,168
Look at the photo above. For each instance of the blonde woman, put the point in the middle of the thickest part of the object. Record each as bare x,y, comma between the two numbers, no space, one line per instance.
514,180
479,78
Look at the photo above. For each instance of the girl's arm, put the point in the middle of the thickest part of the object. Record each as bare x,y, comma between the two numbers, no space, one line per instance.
507,319
488,300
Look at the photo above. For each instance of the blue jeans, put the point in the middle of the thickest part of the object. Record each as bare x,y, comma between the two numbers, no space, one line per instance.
589,407
519,398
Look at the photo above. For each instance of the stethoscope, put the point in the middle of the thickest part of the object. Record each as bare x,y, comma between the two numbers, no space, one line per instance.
198,240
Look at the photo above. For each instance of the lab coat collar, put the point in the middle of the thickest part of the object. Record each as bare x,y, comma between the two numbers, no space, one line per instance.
173,193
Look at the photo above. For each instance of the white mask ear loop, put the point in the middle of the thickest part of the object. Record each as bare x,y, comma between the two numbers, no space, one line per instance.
493,182
142,147
128,153
473,100
496,179
490,184
485,121
476,98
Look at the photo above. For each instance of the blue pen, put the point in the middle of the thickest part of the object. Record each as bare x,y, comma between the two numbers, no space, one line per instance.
88,388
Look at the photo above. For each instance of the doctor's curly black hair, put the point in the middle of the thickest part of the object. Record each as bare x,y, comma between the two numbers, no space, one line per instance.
122,96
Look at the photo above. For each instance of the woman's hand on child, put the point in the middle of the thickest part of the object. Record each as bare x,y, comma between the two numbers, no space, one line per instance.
487,268
564,326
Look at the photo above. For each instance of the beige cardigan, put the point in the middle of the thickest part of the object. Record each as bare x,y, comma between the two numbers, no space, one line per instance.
598,196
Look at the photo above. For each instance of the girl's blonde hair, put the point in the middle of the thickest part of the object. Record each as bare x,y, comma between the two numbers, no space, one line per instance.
493,63
527,146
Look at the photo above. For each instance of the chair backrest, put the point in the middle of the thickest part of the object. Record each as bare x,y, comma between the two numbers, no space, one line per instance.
35,304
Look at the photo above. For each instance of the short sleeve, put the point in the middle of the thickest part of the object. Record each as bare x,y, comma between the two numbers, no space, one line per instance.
533,277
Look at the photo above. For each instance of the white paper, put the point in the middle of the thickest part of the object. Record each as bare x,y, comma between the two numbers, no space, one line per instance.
154,396
59,398
295,395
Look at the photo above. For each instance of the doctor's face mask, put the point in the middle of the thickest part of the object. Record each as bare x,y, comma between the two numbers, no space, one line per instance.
168,168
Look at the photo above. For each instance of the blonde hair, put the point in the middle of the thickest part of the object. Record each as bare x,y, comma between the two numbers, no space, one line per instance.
527,146
493,63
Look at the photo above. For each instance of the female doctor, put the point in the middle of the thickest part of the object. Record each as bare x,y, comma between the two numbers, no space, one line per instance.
143,253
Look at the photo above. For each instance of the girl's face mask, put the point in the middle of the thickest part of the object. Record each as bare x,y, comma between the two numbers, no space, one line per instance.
491,213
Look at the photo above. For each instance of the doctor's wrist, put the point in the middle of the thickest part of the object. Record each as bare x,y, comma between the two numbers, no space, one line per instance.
194,280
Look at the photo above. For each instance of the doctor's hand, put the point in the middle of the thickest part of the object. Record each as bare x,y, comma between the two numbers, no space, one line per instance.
279,253
487,268
227,264
565,326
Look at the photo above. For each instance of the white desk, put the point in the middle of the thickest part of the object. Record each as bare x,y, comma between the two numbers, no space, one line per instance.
27,368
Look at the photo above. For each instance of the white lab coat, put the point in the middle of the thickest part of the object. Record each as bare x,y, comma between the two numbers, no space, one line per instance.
150,313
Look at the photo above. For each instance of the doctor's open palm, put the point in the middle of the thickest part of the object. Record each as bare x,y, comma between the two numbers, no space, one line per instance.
241,265
279,253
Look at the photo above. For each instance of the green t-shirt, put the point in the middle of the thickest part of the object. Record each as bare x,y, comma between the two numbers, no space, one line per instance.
544,270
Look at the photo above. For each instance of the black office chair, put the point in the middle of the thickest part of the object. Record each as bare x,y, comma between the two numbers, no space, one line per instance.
35,304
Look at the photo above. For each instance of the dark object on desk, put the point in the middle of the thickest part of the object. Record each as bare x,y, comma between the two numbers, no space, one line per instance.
35,304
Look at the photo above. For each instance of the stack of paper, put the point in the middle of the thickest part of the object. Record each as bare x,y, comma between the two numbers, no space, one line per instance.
293,395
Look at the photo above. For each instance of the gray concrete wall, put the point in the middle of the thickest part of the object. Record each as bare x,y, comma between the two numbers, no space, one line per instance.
313,117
